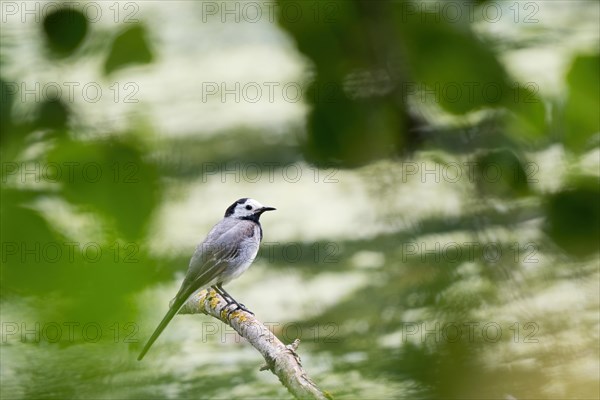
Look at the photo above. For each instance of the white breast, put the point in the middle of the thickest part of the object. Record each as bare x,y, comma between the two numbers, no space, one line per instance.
247,254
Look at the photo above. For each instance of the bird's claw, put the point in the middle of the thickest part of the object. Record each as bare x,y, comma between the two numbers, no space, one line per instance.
237,306
243,308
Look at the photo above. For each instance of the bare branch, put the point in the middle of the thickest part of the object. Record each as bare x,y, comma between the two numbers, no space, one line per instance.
280,359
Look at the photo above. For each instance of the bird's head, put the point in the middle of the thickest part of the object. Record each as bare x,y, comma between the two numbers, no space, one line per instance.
246,209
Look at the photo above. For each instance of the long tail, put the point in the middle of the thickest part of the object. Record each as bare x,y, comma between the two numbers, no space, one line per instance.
188,287
163,324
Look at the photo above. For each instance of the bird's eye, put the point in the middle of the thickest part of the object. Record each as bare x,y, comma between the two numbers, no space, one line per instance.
248,207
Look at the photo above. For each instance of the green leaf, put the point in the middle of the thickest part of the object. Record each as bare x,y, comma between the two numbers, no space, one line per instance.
7,100
501,173
26,268
112,178
581,111
129,48
334,35
347,127
52,114
65,29
527,120
351,133
450,61
573,217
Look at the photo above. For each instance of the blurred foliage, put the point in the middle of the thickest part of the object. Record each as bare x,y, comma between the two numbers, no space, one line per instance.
52,114
501,173
6,102
65,30
338,132
573,216
399,50
345,129
583,81
115,181
371,62
379,57
456,48
108,180
130,47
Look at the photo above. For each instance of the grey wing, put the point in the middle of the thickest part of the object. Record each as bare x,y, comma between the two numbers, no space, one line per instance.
218,252
207,264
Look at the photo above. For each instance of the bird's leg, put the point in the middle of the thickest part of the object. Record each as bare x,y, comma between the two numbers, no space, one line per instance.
230,300
222,293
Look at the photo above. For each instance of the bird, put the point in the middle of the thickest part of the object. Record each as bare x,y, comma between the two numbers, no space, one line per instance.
227,252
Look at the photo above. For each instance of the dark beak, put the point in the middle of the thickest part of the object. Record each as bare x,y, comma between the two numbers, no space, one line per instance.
262,210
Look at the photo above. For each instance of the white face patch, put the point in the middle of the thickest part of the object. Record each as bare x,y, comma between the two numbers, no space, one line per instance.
246,209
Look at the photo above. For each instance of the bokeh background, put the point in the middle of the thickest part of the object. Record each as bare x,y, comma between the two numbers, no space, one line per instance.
435,166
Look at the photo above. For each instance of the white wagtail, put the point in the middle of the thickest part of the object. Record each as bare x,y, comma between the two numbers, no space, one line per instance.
227,251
